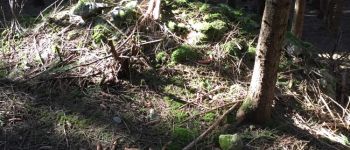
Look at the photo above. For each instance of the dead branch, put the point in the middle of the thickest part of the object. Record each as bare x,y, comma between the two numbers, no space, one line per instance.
215,124
211,110
153,11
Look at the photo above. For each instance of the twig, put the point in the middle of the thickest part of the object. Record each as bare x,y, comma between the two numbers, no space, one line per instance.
204,112
206,132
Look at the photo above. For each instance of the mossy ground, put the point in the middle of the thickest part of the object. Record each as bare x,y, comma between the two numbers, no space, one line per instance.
54,95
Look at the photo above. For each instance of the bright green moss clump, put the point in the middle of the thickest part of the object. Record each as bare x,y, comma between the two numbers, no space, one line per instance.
183,53
100,33
161,57
230,142
181,137
213,30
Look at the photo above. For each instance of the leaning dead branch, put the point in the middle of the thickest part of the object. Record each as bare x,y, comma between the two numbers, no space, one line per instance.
213,126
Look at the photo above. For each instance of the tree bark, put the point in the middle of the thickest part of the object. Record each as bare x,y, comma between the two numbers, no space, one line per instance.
258,104
298,18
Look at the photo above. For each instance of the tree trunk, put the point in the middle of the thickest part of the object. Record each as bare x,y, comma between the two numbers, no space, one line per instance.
335,8
298,18
258,104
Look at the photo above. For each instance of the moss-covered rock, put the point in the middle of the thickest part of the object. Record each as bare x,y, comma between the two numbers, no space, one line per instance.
125,13
86,8
230,142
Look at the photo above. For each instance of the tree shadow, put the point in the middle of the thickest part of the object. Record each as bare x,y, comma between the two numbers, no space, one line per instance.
57,110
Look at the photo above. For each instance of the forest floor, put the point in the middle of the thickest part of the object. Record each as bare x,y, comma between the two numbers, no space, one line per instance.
60,88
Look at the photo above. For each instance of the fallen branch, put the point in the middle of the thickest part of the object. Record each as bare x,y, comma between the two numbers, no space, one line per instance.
206,132
211,110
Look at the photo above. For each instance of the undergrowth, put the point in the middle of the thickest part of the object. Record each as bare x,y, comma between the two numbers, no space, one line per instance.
153,84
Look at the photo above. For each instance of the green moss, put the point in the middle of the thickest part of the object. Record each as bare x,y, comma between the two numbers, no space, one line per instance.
209,117
126,15
181,137
252,50
205,84
183,134
213,30
183,53
100,33
230,142
212,17
161,57
197,38
234,47
81,8
72,35
179,115
172,26
172,103
74,120
179,28
181,1
204,7
247,105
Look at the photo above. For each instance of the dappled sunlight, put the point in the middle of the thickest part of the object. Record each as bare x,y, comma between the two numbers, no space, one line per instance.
116,78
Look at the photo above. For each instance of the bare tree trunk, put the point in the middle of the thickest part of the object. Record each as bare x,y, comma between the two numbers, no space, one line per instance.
258,104
153,10
333,17
298,18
